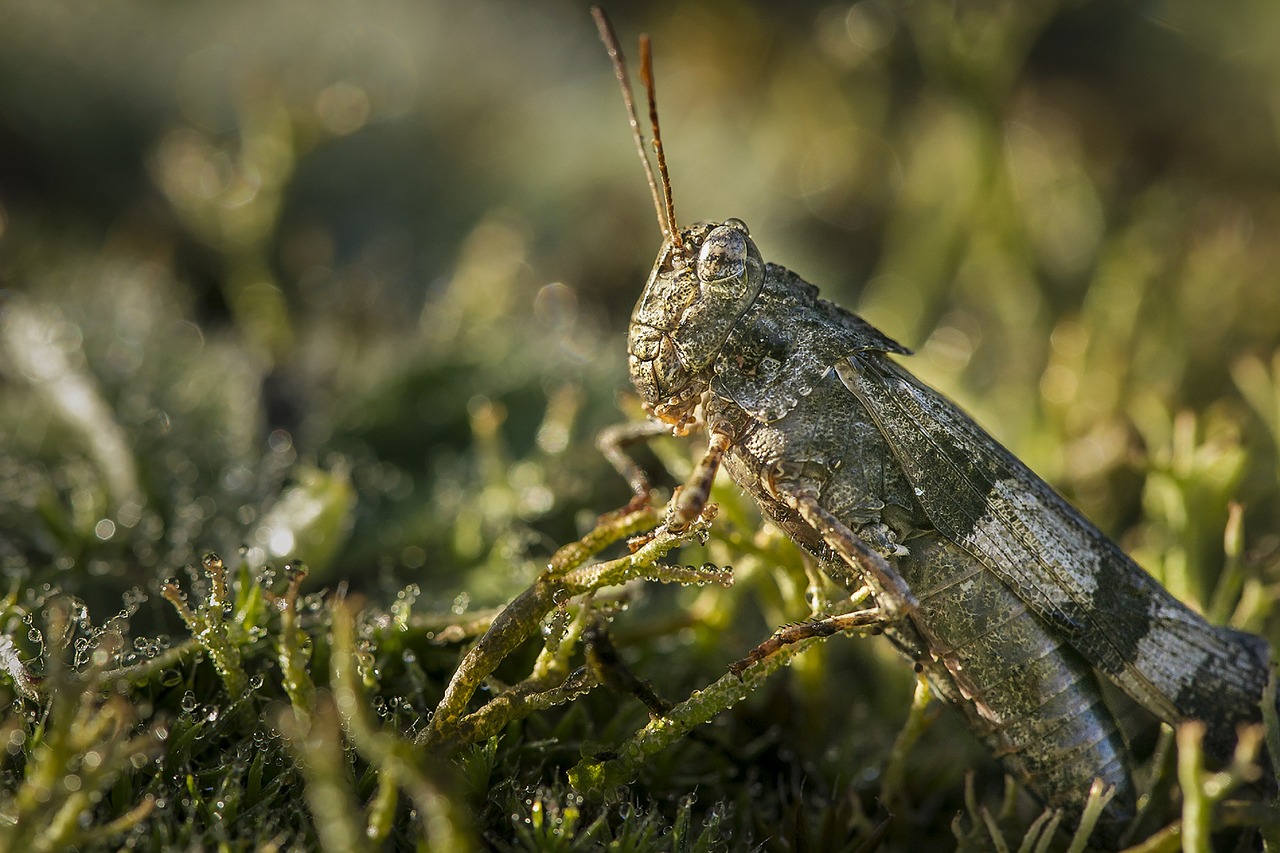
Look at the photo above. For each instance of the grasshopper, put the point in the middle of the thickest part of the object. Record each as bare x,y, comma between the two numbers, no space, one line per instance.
1016,607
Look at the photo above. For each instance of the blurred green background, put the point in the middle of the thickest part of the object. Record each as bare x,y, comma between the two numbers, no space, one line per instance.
239,240
350,281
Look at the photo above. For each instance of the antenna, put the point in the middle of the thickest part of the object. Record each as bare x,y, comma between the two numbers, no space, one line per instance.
646,76
662,202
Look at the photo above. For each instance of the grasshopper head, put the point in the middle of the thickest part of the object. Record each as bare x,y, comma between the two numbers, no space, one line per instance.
699,288
705,277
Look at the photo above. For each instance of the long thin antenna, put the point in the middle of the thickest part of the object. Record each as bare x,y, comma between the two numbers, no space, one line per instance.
661,201
646,76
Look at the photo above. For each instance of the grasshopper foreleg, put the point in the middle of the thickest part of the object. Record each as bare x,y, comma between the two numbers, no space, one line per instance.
691,498
614,442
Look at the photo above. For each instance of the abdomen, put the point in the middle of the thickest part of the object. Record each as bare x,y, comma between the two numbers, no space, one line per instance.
1034,700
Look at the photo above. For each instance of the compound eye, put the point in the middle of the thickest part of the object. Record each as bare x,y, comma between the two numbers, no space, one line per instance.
724,252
